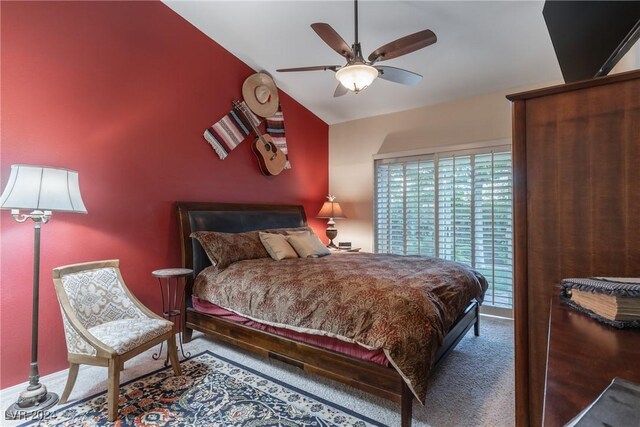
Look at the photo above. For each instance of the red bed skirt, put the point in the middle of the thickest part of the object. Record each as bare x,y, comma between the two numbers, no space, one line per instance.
329,343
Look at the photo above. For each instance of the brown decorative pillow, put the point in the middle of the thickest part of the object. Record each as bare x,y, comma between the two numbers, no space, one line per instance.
277,246
307,244
224,249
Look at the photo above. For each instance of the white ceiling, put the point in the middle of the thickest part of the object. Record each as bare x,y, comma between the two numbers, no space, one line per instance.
482,47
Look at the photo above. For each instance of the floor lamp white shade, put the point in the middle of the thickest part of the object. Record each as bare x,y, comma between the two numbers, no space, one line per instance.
41,190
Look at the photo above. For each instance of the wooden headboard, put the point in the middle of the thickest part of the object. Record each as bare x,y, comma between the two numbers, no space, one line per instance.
229,218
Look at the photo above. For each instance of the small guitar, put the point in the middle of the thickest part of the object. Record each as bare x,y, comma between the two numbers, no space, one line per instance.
271,159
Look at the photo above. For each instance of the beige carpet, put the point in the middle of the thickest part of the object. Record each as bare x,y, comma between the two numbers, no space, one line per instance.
474,386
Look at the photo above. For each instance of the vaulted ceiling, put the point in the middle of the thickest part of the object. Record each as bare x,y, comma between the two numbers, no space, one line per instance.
482,47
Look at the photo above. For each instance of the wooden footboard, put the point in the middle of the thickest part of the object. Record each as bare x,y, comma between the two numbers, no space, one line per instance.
381,381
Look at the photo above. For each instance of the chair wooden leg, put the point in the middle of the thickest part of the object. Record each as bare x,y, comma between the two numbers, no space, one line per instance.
173,355
71,381
113,389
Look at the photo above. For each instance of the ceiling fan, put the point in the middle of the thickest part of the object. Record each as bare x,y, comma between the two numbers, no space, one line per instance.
359,73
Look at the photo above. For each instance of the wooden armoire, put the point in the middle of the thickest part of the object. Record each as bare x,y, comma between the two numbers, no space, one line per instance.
576,163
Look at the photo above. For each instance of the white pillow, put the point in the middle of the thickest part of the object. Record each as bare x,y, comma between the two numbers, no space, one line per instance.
307,244
277,246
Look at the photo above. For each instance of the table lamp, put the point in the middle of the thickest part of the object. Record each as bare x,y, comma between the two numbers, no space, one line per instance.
40,190
332,210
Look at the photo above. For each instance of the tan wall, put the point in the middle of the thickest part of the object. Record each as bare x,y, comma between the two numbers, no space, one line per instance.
631,61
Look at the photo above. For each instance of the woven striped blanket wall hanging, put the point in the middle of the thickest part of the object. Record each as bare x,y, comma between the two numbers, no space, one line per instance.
228,132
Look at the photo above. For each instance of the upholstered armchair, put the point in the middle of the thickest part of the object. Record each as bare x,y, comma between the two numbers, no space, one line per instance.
105,324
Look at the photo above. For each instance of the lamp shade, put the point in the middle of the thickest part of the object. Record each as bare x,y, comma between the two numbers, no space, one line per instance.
42,188
357,76
331,210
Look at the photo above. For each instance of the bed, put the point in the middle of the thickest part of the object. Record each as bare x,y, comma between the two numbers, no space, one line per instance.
364,370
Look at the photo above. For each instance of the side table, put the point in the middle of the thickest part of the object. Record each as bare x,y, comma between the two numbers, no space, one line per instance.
336,249
169,281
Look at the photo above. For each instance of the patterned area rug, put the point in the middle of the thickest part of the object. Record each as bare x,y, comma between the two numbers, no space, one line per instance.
212,391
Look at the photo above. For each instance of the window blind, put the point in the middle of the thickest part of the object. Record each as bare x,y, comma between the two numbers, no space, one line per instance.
456,206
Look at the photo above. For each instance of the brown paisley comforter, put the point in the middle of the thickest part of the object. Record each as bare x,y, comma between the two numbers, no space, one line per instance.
402,304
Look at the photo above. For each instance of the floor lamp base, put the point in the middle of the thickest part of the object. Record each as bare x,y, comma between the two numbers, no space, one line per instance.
34,409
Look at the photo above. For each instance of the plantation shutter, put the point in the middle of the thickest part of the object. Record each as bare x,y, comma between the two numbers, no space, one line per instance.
405,207
456,206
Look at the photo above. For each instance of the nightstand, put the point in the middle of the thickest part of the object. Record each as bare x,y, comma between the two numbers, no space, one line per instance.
345,250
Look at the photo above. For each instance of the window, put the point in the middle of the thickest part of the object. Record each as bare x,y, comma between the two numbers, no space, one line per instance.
456,206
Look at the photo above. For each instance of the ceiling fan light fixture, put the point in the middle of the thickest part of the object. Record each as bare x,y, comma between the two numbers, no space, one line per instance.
358,74
356,77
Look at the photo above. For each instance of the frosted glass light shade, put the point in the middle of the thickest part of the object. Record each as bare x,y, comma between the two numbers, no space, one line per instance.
330,210
42,188
357,76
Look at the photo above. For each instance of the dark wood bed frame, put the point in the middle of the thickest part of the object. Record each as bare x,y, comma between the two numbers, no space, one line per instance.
382,381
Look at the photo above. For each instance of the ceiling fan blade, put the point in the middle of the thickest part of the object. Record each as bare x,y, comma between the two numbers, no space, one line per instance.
398,75
340,90
314,68
333,39
404,45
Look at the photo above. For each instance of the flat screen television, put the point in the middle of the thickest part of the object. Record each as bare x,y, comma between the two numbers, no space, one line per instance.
590,37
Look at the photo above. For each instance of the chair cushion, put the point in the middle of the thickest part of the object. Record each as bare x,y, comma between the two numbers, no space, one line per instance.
126,334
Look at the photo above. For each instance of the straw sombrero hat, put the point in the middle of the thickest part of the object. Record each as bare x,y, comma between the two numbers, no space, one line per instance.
261,94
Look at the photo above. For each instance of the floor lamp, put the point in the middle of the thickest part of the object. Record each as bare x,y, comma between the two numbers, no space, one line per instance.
40,190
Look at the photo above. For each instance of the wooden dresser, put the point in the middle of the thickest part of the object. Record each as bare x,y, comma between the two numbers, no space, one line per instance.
584,357
576,154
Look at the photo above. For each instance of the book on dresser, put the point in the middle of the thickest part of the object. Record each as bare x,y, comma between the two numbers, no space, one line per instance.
611,300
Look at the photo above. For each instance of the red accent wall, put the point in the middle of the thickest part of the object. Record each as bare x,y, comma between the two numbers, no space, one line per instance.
121,92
